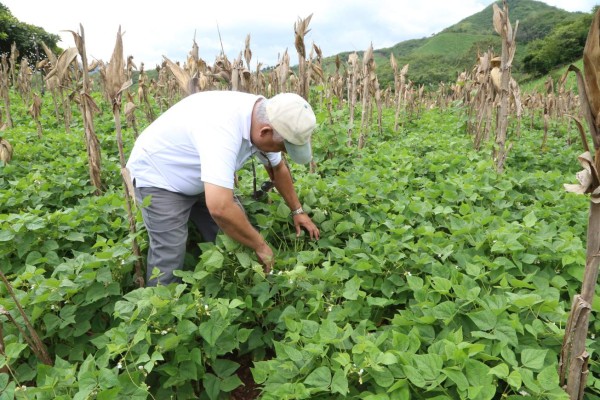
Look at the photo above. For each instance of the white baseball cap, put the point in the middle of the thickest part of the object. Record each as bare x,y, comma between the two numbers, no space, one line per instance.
292,117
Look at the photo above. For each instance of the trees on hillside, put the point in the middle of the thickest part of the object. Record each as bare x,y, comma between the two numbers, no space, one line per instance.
564,44
26,37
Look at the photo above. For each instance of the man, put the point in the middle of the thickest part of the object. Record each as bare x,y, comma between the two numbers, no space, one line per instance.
186,161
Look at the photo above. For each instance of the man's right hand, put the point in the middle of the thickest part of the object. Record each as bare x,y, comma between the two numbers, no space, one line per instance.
266,257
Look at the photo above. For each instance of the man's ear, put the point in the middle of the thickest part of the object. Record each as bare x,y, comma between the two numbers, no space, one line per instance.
265,131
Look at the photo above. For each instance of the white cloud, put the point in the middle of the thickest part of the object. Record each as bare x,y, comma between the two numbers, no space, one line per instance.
155,29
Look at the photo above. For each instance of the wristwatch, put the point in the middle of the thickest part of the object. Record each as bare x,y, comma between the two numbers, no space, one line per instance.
297,212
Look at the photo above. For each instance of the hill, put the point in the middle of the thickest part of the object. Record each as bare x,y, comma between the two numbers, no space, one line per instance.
441,57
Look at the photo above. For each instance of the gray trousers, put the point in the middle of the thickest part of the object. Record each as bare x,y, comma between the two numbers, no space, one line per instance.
166,220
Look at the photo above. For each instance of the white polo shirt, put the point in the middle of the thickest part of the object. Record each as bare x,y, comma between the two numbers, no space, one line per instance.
205,137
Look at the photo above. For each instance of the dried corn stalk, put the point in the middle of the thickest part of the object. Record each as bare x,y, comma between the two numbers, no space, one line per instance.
58,79
368,80
574,358
354,72
300,31
24,79
130,108
52,60
143,97
503,28
88,109
35,110
14,55
4,90
115,83
400,88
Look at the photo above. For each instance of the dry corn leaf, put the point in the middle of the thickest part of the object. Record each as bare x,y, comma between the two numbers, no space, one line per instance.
79,39
6,150
62,64
129,108
404,70
587,178
247,51
591,67
496,76
115,79
585,105
183,78
301,29
368,58
49,54
497,19
316,68
36,107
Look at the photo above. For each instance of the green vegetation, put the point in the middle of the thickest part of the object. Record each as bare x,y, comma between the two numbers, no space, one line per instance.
434,275
563,45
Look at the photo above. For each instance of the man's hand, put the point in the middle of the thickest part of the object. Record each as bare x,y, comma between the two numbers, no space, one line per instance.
265,256
304,221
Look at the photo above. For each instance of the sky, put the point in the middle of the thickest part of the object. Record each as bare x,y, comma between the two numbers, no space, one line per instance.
153,30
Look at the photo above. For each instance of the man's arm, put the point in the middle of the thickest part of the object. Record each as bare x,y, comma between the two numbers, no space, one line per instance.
282,178
233,222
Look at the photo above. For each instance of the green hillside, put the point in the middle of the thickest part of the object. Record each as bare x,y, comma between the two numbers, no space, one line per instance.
444,55
443,43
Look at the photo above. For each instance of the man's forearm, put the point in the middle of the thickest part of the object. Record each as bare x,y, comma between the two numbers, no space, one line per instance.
285,186
234,223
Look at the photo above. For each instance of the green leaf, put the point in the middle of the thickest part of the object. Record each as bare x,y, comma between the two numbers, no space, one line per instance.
146,201
212,329
383,377
339,383
224,368
13,350
75,237
3,381
230,383
244,259
213,260
457,377
429,365
109,394
320,378
514,380
169,342
186,327
548,378
310,328
500,370
387,358
352,288
477,373
533,358
328,330
414,375
485,320
6,235
212,386
414,282
530,220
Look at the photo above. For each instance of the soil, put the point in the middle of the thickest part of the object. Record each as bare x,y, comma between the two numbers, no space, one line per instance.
249,390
